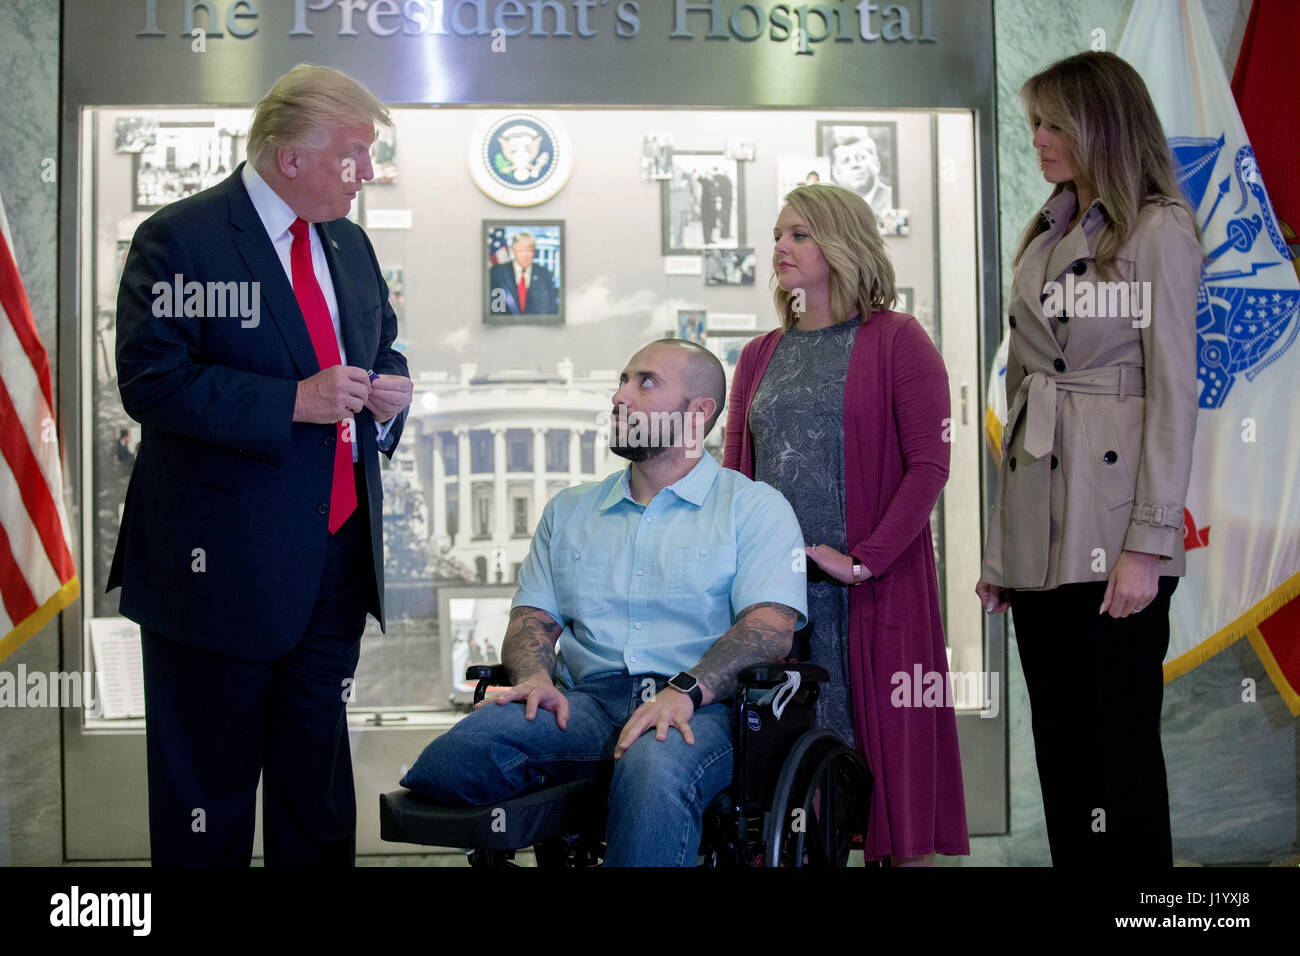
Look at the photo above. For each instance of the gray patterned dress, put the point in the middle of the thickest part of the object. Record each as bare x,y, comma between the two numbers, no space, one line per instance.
797,424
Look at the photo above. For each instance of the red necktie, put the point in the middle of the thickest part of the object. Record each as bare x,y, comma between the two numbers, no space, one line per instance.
343,491
523,292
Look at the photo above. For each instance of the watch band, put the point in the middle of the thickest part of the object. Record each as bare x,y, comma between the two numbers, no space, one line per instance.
857,573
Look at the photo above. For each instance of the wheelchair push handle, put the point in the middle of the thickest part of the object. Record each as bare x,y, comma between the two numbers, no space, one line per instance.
769,675
487,675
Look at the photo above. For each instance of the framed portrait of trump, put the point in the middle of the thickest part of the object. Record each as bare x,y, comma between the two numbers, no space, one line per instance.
523,272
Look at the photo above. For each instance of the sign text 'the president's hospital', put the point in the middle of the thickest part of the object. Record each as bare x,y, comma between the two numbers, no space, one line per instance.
806,24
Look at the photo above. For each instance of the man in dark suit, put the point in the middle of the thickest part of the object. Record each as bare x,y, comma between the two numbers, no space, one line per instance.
708,205
254,346
520,286
722,187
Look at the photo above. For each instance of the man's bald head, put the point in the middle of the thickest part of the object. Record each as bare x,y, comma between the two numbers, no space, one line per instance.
702,375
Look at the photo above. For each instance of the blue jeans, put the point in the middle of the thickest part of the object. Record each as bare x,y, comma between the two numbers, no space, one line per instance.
659,789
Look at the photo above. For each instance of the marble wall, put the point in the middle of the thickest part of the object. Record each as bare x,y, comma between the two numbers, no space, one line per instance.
1232,765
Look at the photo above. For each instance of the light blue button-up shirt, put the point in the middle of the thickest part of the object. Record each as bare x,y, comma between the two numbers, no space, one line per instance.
648,589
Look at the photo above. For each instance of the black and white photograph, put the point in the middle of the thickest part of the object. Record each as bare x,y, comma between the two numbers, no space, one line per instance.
863,157
473,627
924,314
134,134
183,159
729,266
905,302
523,278
792,171
726,345
657,157
692,325
741,149
396,292
703,204
383,155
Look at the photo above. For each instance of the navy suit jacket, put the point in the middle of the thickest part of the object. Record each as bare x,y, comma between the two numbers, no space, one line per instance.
222,466
541,298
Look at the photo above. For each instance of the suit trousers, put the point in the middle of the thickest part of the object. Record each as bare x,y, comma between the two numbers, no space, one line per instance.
216,722
1095,689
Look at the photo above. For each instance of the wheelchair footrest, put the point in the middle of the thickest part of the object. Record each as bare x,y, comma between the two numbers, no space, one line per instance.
512,824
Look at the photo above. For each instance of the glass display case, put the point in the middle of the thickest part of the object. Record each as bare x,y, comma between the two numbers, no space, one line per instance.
662,227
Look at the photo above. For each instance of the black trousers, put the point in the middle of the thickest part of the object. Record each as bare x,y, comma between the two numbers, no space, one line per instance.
215,723
1095,688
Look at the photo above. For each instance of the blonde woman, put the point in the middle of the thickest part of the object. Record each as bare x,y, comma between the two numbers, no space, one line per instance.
842,409
1085,541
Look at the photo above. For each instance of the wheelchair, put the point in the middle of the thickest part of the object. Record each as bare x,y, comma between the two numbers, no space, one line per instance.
799,796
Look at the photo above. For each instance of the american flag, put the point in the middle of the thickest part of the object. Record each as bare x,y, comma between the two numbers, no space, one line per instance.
37,576
498,252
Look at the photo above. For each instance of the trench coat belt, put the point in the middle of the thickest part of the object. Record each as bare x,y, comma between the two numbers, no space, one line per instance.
1037,399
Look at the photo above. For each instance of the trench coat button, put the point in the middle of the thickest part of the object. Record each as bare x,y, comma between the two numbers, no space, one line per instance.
1080,267
1110,458
1012,464
1012,321
1059,365
1054,461
322,509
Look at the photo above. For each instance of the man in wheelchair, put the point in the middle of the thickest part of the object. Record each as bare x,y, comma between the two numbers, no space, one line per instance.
626,600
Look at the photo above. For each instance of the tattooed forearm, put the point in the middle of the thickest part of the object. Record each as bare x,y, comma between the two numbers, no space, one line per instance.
762,633
529,645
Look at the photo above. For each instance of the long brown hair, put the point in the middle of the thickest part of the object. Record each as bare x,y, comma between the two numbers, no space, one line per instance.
844,228
1114,138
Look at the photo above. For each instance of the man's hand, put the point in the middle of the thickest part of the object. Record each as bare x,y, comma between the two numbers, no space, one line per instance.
332,395
389,394
535,691
669,707
1133,583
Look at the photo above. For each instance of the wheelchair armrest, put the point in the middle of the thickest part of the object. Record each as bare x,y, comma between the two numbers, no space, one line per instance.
773,674
487,675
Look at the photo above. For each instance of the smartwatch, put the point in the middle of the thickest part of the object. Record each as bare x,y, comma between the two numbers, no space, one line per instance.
688,685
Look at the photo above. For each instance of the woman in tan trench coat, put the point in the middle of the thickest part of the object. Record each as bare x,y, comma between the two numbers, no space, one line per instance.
1085,536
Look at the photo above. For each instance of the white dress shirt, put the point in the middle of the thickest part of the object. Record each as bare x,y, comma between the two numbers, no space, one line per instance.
276,218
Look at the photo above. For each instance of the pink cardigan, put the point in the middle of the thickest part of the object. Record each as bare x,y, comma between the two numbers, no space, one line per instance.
896,452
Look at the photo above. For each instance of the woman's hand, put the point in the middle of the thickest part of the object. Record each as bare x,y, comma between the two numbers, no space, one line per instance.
1133,583
837,565
992,597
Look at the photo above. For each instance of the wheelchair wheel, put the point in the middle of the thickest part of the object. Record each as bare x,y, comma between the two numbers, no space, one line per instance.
821,802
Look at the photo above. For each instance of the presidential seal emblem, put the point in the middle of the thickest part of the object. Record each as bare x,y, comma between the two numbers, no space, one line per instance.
520,159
